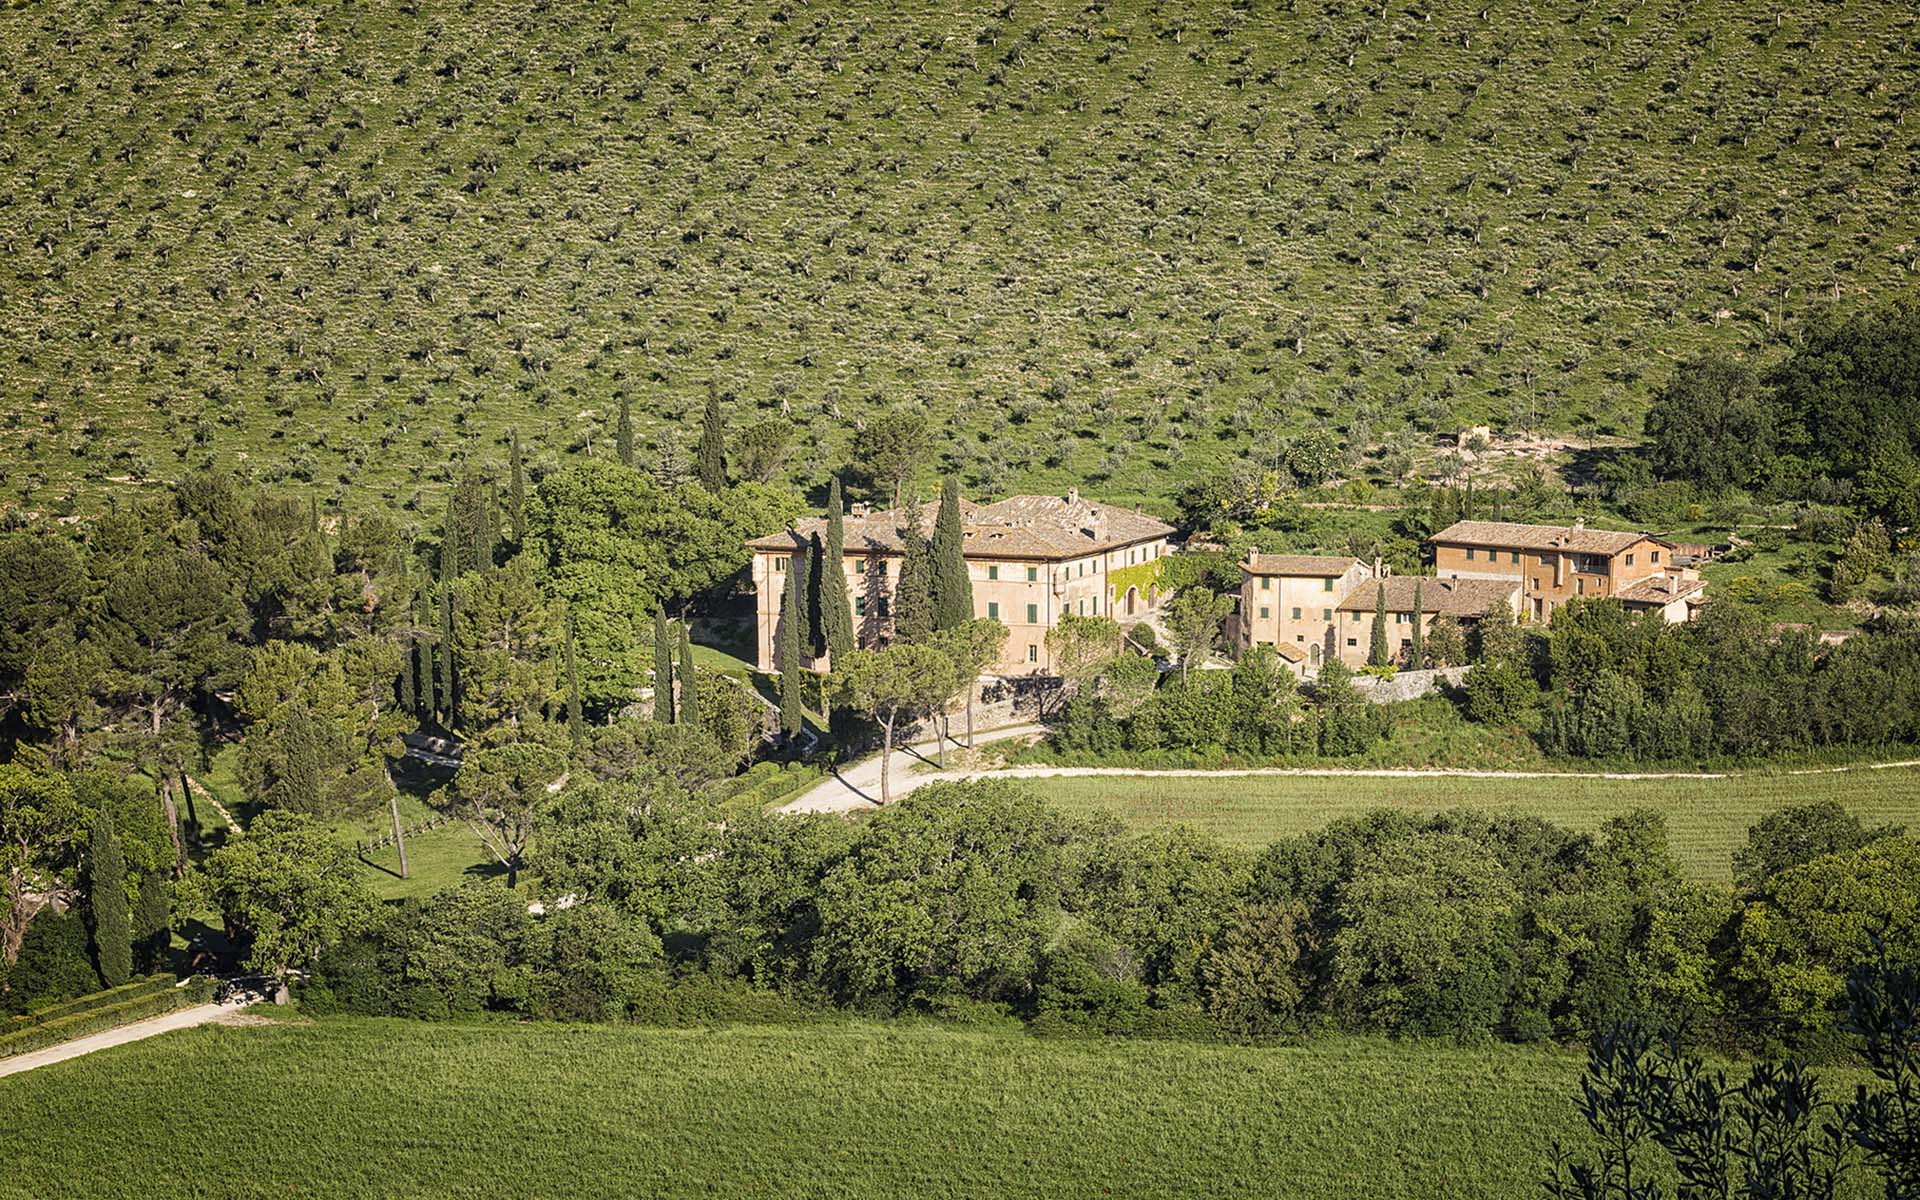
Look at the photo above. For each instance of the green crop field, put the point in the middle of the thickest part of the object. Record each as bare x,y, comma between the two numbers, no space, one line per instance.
1707,819
343,246
395,1108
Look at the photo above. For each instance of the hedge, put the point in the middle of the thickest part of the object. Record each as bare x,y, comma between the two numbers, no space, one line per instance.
92,1000
95,1020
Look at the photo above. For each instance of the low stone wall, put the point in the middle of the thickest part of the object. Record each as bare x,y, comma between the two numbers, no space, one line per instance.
1407,685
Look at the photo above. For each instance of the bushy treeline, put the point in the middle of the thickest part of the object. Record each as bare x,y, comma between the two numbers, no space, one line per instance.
975,898
1254,711
1833,421
1612,685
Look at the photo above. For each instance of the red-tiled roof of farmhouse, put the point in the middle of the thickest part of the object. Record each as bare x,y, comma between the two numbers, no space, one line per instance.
1042,527
1510,535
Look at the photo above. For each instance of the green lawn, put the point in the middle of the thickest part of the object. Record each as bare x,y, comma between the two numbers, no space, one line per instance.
394,1108
1707,819
439,858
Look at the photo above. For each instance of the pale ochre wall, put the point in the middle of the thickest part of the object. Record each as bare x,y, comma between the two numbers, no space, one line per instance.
1548,578
1060,586
1287,592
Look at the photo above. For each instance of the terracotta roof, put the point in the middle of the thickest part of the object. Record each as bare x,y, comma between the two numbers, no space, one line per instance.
1290,652
1660,589
1312,566
1440,597
1507,534
1044,527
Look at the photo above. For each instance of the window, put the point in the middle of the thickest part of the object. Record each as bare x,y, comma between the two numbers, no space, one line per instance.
1629,560
1033,615
1351,642
1326,585
993,610
1326,614
1469,553
1656,556
884,607
1096,606
1400,618
1299,637
783,562
1536,585
1130,554
859,606
859,566
1265,612
1266,583
1033,652
1080,609
1353,616
1296,612
879,566
993,571
1033,573
1513,556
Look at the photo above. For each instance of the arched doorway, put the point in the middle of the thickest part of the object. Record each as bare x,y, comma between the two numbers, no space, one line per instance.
1133,599
1313,656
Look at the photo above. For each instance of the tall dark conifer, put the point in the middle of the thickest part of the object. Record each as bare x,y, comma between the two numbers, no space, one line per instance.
623,436
1377,649
152,921
787,656
913,594
1419,653
711,459
801,580
112,920
951,590
687,711
576,724
448,712
835,610
516,490
818,585
423,639
662,669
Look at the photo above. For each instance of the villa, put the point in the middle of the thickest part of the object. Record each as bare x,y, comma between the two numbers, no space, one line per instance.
1031,559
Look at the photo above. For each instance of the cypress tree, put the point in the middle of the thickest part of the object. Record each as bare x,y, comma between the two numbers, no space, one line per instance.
952,591
409,692
489,538
1377,651
423,647
112,922
576,727
446,655
912,595
836,610
152,920
516,490
687,712
662,669
818,585
711,459
623,436
787,657
800,578
302,743
1419,635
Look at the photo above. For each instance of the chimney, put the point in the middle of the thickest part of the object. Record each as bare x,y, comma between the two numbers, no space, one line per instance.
860,509
1098,521
1579,522
1073,495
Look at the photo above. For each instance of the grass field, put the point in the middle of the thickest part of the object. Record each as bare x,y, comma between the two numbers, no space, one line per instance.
1707,819
394,1108
344,247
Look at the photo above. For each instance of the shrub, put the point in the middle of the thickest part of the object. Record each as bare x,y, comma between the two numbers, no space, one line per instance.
1496,693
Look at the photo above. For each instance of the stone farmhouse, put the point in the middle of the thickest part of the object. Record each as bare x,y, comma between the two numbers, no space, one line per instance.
1313,608
1032,560
1558,563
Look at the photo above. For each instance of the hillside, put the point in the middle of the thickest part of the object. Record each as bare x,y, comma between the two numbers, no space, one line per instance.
345,245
